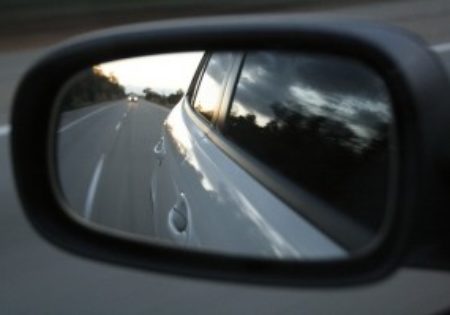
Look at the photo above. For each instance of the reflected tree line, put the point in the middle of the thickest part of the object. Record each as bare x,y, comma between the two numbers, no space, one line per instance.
323,156
91,87
321,121
166,100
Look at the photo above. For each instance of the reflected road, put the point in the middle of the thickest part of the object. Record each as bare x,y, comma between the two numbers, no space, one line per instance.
105,160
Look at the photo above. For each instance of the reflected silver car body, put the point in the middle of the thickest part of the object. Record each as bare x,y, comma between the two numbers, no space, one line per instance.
202,198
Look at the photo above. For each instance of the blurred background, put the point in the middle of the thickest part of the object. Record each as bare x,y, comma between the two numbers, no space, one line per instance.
33,23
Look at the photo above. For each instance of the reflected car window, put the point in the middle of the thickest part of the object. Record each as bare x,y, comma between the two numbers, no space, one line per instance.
320,121
210,91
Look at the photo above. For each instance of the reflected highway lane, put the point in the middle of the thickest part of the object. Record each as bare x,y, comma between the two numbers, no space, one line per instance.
105,160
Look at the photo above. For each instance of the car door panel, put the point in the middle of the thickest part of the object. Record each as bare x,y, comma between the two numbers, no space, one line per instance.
229,210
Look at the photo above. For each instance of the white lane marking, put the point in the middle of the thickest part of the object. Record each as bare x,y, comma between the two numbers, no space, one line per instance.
93,188
125,115
441,47
4,130
119,124
75,122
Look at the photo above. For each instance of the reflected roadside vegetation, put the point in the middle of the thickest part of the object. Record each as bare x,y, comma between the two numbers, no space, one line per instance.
91,87
321,121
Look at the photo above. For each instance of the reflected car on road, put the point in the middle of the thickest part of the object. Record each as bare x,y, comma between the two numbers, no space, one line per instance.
133,98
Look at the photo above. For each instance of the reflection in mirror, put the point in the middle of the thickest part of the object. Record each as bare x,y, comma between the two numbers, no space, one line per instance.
166,147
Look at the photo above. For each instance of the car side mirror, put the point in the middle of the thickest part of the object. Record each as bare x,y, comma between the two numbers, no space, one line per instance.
268,149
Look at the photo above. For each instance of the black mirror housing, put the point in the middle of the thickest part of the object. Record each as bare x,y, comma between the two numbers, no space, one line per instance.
414,76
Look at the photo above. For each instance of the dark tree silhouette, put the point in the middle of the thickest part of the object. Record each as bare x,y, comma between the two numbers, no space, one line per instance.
168,101
323,156
91,87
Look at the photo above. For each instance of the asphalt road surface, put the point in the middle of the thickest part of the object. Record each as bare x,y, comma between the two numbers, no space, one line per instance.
105,161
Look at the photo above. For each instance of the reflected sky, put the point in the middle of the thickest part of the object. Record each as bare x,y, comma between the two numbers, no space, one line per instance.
337,88
165,73
210,91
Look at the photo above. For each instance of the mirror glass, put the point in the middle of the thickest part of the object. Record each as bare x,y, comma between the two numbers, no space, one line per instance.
274,154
